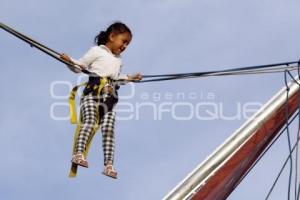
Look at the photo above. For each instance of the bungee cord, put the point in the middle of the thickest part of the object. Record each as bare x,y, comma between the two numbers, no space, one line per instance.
224,73
297,187
228,70
267,149
291,149
283,167
286,73
259,69
232,71
33,43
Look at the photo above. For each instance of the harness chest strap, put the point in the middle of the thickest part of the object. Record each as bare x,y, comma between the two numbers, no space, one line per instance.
72,105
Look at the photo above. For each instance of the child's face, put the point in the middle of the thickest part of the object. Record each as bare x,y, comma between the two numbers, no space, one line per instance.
119,42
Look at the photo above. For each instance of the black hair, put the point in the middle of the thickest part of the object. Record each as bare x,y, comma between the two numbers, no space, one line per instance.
117,28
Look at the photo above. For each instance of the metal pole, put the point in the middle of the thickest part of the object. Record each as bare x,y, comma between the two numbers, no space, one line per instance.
203,183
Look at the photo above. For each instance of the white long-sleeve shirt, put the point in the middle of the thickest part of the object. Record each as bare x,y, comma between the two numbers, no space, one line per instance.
100,60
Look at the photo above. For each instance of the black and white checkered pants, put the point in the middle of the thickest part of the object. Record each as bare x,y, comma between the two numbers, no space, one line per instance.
89,111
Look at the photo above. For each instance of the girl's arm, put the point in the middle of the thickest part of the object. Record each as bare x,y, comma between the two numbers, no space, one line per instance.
123,78
73,62
83,62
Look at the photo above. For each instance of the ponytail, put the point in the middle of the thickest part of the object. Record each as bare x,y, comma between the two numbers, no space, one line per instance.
101,38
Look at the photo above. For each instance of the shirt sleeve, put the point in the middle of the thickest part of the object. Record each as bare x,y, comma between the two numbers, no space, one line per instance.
88,58
122,76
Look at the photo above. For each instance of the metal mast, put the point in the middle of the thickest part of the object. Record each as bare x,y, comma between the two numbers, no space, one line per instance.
216,177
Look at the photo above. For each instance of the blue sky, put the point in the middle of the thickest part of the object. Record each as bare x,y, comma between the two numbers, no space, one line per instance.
152,156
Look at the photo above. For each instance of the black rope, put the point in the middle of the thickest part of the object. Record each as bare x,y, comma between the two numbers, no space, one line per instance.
54,54
290,149
219,73
268,148
14,32
298,137
288,134
235,71
282,168
228,70
290,156
270,68
298,132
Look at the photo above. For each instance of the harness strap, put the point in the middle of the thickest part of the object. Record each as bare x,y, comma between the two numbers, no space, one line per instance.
74,167
73,118
72,105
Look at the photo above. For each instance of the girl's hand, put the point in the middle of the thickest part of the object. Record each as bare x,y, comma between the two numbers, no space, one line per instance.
138,77
135,77
108,89
67,58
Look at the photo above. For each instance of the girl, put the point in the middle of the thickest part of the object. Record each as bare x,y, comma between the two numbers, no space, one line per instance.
98,106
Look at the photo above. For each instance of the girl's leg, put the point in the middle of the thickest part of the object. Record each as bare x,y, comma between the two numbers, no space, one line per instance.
108,143
88,111
108,136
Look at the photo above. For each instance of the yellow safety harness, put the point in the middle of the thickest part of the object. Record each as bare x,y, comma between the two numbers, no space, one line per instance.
73,119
